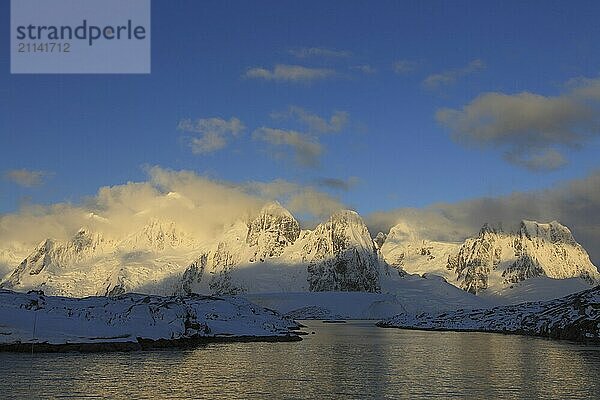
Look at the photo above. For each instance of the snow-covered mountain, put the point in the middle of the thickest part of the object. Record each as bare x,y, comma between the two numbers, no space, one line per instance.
9,258
342,255
495,259
92,264
269,253
498,263
271,232
405,250
158,236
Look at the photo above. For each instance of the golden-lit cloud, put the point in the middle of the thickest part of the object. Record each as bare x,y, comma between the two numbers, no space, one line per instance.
200,206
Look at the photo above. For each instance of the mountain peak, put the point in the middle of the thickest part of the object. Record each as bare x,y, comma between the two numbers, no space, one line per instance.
553,232
348,216
158,235
379,239
490,229
402,232
275,208
271,231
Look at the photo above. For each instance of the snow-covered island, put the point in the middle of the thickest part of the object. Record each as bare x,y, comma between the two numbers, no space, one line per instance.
574,317
35,322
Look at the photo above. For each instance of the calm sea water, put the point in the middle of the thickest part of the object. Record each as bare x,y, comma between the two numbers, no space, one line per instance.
352,360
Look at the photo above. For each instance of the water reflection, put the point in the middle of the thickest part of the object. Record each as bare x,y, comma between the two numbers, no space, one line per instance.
353,360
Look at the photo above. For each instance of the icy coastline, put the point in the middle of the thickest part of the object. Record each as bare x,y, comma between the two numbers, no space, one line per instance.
35,322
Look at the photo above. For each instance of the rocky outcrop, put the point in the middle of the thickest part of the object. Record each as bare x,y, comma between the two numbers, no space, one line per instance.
379,240
498,258
342,255
271,232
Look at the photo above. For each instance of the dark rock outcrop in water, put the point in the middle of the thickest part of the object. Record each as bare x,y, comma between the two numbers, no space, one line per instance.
575,317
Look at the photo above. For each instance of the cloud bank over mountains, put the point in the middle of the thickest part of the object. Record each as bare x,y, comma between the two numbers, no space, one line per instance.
206,207
201,206
575,203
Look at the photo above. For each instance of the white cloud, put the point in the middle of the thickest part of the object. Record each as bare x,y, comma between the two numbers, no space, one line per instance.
451,76
26,178
402,67
214,133
364,68
290,73
305,149
315,123
308,52
530,128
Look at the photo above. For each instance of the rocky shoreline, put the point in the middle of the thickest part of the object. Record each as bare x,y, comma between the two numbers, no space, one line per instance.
575,317
139,345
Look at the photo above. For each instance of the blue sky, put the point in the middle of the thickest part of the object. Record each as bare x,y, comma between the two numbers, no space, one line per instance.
389,66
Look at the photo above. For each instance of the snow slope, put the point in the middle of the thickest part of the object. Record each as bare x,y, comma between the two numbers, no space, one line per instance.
575,317
411,294
132,318
403,249
8,259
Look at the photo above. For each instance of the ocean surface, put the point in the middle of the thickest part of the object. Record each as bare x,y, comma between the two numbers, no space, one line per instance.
351,360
